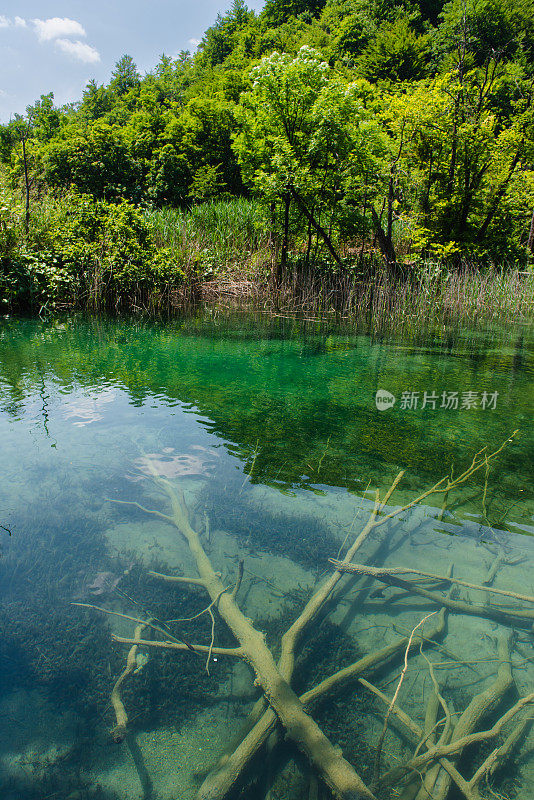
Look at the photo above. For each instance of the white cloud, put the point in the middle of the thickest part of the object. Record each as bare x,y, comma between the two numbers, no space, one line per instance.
194,42
79,50
5,22
54,27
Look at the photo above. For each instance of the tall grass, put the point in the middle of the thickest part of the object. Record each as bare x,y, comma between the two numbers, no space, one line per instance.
230,233
425,295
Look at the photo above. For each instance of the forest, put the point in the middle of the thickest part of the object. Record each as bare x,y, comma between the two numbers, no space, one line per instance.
339,139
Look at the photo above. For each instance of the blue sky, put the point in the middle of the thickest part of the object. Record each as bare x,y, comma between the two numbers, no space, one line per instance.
59,46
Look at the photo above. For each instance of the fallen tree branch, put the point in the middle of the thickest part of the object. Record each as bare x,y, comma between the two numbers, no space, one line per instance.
416,732
463,735
458,745
220,782
377,572
518,617
378,755
182,648
146,623
283,704
336,772
119,731
177,579
500,754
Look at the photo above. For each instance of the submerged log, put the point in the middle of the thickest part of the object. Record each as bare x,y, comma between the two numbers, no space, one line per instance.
281,710
300,727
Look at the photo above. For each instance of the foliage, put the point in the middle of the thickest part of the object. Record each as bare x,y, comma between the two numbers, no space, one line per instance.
463,187
83,251
280,11
396,53
124,77
222,38
93,159
400,128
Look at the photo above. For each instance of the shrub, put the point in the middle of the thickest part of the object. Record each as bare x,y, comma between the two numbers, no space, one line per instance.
86,252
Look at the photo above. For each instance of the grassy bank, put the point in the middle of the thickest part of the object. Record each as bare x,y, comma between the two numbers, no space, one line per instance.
87,254
79,252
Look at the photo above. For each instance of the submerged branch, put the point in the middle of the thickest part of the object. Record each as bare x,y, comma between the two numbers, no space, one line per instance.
377,572
120,730
512,616
336,772
378,755
147,623
196,648
281,708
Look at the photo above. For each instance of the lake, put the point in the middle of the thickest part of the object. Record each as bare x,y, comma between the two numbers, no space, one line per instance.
271,436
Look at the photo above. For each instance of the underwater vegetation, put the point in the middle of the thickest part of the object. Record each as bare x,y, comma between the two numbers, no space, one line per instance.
48,650
326,706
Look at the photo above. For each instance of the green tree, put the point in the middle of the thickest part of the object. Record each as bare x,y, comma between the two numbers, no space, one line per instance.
46,118
396,53
207,183
276,12
462,169
95,159
169,176
97,100
201,136
473,31
22,130
219,40
124,76
306,138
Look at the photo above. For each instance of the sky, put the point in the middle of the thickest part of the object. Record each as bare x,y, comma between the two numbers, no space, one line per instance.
59,46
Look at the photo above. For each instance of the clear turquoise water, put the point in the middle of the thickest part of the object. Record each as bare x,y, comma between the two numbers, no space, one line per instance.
271,429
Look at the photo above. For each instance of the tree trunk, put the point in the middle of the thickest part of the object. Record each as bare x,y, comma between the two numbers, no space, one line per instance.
27,186
425,202
384,242
320,230
309,245
530,244
499,196
391,197
282,266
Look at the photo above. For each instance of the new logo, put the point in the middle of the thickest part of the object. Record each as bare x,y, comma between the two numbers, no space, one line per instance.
384,399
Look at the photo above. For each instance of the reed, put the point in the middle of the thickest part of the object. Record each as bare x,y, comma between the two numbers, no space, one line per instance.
229,232
428,292
223,251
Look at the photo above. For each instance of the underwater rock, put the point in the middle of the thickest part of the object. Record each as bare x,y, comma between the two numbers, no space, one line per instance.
104,583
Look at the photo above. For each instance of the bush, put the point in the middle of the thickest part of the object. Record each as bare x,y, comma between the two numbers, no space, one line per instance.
29,281
86,252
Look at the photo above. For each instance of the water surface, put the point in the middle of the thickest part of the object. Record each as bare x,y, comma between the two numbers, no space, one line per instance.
271,430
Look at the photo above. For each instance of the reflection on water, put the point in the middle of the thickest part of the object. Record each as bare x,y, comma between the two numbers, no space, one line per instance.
269,434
